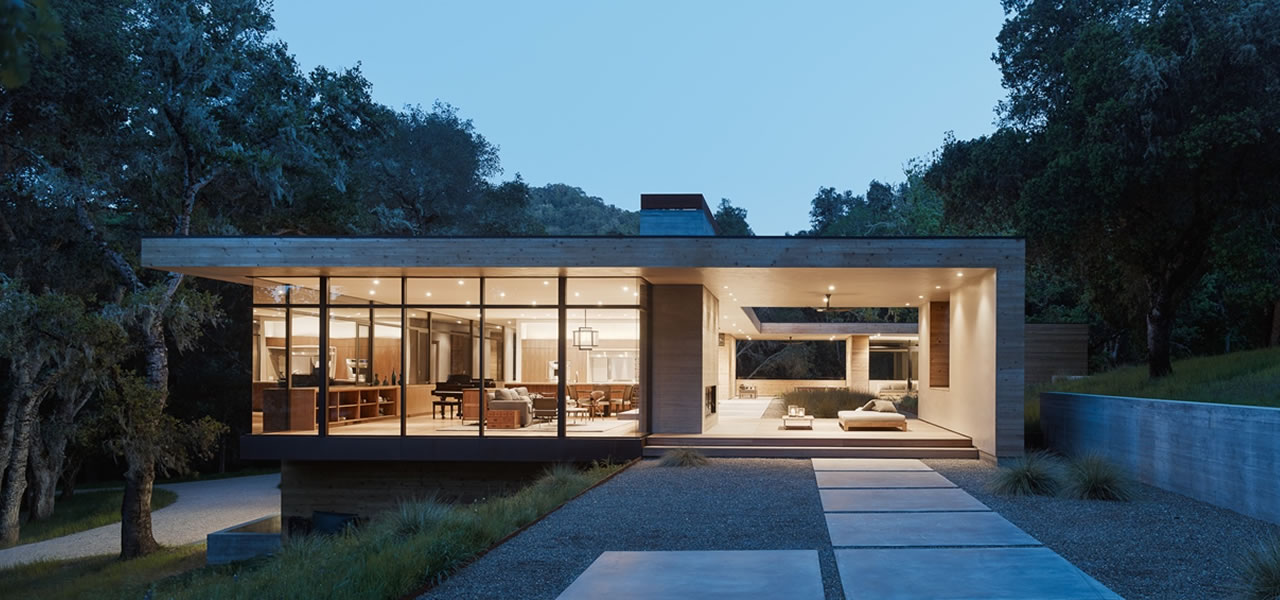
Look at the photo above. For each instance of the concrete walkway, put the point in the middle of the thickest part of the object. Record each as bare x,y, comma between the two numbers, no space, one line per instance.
901,531
202,508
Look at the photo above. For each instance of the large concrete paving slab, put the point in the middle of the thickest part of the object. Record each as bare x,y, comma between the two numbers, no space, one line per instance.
706,575
899,500
881,479
869,464
924,529
954,573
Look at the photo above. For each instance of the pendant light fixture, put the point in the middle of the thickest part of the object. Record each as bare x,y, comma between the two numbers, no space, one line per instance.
585,338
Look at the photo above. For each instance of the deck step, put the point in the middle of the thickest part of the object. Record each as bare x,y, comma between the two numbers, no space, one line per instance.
773,451
846,442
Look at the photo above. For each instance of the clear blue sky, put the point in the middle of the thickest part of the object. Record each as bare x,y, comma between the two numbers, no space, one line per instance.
758,102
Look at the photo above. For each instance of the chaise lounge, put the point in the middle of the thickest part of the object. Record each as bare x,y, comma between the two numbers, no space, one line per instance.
864,417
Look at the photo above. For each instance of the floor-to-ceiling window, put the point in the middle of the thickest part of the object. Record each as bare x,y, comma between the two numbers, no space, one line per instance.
448,356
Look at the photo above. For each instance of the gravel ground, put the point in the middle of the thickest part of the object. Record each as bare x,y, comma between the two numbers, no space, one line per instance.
1159,545
731,504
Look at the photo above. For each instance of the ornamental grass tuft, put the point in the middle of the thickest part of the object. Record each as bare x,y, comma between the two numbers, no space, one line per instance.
683,457
1092,477
1036,474
1259,570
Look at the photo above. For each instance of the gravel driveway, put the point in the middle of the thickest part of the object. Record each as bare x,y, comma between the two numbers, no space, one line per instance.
731,504
1159,545
202,508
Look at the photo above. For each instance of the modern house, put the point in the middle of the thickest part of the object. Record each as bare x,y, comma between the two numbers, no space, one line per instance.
381,365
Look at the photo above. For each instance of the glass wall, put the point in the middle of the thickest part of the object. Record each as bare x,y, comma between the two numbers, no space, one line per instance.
418,355
602,368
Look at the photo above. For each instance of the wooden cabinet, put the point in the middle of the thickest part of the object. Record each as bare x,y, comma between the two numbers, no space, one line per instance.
355,404
288,410
295,410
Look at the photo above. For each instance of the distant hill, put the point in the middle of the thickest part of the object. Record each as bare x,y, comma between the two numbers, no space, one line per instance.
567,210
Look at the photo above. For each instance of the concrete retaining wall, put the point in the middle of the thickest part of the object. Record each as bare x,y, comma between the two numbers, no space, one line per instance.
244,541
1222,454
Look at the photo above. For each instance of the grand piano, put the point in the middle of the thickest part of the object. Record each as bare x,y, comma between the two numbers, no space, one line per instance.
449,391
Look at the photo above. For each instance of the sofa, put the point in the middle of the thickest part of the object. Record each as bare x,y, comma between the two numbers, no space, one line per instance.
508,399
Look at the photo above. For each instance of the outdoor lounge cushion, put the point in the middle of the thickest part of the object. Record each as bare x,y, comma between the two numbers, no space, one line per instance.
850,419
885,406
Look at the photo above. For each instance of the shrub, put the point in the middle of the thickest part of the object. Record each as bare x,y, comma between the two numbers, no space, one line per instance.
683,457
909,403
417,516
1259,570
1036,474
394,554
824,404
1092,477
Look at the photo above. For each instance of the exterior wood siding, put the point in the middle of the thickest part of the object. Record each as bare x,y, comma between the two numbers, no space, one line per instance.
939,344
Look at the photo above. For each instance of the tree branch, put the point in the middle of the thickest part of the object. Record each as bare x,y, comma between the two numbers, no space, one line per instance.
116,259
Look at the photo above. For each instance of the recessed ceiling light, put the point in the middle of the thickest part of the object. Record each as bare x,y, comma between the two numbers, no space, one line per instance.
373,293
502,294
468,302
636,294
459,322
748,337
428,294
959,274
922,297
626,288
576,294
460,282
599,302
907,304
535,302
726,287
831,288
545,282
376,282
937,287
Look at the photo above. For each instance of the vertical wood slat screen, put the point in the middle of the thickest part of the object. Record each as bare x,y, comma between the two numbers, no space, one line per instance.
940,344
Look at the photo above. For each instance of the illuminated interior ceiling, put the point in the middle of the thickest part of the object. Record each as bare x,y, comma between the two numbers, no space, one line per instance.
738,290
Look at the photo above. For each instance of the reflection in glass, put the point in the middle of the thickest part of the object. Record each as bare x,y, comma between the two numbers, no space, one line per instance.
268,366
364,290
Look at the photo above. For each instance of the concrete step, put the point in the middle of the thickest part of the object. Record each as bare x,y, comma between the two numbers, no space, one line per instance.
888,441
821,451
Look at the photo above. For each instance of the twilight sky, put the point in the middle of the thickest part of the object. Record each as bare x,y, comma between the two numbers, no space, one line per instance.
761,103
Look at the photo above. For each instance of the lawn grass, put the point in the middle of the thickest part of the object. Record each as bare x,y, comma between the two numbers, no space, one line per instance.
395,554
85,510
1251,378
98,577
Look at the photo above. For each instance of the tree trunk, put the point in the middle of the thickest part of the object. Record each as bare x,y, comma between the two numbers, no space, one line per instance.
136,538
1275,325
44,475
68,477
1159,334
15,480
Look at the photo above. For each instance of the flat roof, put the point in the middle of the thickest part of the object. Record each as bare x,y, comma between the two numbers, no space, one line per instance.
742,272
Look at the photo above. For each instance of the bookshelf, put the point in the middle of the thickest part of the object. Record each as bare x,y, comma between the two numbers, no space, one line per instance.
360,403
